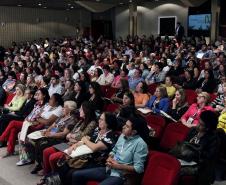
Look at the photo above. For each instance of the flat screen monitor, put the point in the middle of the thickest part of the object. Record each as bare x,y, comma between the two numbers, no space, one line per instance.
201,22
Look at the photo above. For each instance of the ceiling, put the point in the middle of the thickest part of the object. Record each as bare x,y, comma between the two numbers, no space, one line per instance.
62,4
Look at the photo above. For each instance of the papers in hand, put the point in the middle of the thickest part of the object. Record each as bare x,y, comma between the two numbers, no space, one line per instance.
200,55
79,151
24,130
144,110
36,135
167,116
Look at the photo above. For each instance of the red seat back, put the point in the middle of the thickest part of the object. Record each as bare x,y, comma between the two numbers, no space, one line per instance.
174,132
110,92
92,183
111,107
212,97
157,123
152,87
104,89
9,97
162,169
191,96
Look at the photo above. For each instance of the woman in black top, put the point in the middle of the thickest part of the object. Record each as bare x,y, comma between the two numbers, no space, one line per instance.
80,91
124,87
96,96
208,83
179,105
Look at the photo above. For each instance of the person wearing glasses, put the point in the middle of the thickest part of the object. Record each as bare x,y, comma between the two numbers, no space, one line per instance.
191,116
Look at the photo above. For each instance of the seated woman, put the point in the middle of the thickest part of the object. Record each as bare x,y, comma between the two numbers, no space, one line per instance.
127,157
169,87
10,82
69,94
57,132
126,109
81,129
101,142
117,79
204,137
141,95
218,102
47,116
191,116
95,96
222,118
15,105
179,105
123,87
159,101
80,93
207,83
14,127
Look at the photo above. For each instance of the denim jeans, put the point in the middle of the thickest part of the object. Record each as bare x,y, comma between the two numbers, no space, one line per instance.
81,177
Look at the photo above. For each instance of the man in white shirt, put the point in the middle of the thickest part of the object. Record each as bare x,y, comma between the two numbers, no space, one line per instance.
106,78
55,86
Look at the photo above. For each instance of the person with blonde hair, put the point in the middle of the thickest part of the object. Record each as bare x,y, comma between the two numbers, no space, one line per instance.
191,116
15,105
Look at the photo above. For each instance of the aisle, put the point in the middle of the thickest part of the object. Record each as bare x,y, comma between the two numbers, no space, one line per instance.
10,174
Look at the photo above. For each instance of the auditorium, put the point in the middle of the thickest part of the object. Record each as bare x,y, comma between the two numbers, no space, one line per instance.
112,92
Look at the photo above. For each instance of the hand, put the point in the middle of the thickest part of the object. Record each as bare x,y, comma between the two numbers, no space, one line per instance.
112,163
48,134
84,139
175,102
68,136
43,132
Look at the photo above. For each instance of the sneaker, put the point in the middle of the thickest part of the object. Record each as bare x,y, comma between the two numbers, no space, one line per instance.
23,162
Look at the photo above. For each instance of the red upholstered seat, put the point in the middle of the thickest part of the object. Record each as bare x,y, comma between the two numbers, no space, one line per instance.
157,123
110,92
92,183
111,107
152,87
191,96
162,169
9,97
104,89
212,97
173,133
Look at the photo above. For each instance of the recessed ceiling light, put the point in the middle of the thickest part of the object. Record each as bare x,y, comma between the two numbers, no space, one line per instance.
39,4
72,7
130,1
19,5
121,3
67,9
69,4
45,7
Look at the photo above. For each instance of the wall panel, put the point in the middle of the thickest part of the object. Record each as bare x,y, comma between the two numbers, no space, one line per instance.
20,24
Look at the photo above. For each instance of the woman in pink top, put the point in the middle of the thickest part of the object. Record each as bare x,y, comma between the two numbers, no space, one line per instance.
123,75
191,117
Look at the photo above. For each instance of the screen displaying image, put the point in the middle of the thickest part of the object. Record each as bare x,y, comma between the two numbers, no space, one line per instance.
201,22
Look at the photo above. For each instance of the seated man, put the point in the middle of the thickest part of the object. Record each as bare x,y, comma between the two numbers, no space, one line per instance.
127,157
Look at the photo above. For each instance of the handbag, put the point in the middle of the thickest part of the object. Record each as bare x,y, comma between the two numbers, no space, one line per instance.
186,151
52,179
78,162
